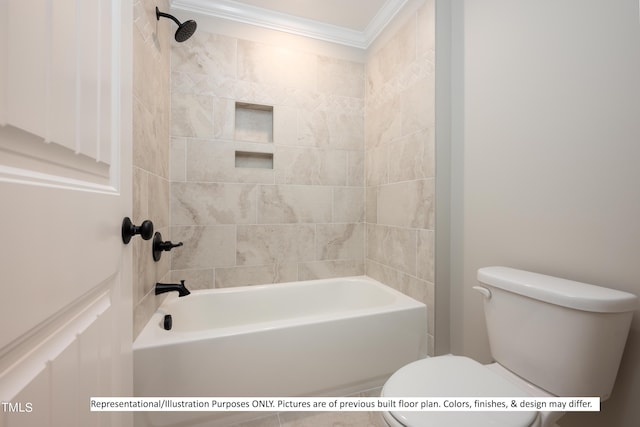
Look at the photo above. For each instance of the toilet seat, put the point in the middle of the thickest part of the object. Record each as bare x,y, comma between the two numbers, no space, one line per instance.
454,376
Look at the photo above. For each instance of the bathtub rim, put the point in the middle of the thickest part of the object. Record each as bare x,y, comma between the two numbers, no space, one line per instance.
154,335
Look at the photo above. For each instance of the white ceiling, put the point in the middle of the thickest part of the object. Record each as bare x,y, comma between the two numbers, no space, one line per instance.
350,22
353,14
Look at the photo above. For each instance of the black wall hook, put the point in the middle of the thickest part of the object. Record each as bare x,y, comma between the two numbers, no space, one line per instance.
145,230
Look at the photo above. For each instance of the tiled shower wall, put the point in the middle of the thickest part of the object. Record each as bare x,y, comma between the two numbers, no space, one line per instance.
269,147
151,108
400,159
267,163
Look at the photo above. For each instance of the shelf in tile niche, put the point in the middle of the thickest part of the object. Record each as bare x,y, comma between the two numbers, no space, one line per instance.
247,159
254,122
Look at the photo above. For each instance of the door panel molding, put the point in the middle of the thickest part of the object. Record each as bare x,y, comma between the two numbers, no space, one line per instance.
29,355
24,154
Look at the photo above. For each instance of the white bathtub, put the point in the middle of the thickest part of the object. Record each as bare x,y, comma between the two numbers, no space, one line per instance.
311,338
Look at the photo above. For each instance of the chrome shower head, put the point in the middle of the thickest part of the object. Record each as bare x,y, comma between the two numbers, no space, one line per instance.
185,29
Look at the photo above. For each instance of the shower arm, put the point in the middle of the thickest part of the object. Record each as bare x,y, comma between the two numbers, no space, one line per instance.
166,15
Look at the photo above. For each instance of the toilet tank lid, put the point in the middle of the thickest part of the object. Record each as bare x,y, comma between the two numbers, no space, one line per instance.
562,292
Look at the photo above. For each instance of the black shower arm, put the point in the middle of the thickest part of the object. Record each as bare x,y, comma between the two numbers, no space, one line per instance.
166,15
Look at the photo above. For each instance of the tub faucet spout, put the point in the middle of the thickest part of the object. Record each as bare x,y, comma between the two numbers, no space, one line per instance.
161,288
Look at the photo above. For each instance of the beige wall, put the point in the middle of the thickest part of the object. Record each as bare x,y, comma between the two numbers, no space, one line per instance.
549,150
151,56
400,162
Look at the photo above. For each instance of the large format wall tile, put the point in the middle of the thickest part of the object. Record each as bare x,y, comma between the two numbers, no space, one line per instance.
418,105
199,203
348,204
340,77
392,246
151,135
377,166
407,204
327,129
426,34
281,204
383,122
391,60
412,157
192,115
206,54
426,255
267,244
400,159
310,166
275,65
204,247
340,241
355,168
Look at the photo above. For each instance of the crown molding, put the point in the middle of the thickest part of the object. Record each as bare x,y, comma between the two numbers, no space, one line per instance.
248,14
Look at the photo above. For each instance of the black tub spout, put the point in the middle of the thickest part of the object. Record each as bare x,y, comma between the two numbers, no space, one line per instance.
161,288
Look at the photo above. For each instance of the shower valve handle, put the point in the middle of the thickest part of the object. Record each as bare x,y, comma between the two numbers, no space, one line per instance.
159,246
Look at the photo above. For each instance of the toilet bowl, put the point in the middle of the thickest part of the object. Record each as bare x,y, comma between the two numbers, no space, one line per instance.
455,376
545,333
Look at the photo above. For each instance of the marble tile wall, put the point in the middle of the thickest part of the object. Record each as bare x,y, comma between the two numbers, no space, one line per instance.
301,219
151,109
351,187
400,160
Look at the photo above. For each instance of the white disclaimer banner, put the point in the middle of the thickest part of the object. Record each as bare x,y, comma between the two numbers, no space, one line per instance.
283,404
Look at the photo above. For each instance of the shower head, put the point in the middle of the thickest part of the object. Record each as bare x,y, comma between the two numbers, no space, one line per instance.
185,29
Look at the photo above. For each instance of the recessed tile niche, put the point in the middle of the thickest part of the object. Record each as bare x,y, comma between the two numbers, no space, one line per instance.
247,159
254,123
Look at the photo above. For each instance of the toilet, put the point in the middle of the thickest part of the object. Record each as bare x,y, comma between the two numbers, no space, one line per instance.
549,337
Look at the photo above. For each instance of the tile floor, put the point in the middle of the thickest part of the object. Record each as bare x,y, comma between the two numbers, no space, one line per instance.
321,419
318,419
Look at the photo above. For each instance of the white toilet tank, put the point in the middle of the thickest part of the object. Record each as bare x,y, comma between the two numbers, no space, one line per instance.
563,336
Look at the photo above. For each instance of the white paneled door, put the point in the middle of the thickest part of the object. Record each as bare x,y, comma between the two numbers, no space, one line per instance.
65,186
